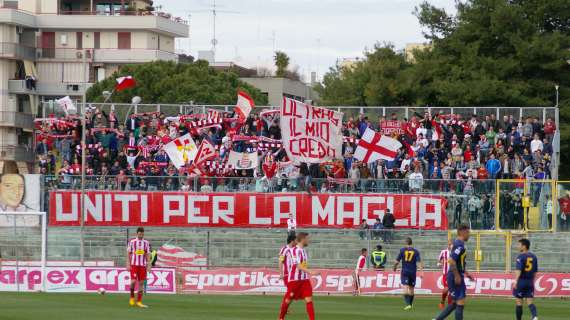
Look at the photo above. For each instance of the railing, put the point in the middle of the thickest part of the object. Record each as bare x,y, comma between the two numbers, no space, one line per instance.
16,119
105,54
17,51
139,13
529,205
16,153
164,15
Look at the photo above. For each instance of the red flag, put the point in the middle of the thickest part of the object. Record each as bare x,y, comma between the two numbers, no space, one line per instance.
244,105
374,146
125,82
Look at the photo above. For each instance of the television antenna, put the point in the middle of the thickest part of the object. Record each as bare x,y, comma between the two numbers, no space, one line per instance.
213,9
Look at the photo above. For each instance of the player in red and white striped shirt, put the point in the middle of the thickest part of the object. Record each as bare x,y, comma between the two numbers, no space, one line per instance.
360,266
284,258
299,280
138,263
442,262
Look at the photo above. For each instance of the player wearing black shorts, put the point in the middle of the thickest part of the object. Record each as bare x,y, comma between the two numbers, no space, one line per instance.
410,258
523,287
456,275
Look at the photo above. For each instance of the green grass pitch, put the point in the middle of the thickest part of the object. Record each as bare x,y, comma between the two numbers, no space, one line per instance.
38,306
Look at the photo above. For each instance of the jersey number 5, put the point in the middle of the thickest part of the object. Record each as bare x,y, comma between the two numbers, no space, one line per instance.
528,265
409,255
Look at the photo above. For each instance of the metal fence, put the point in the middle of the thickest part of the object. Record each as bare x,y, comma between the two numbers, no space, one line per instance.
373,112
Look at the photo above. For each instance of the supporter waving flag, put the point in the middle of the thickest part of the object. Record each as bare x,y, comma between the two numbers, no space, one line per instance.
125,82
181,150
67,105
244,105
374,146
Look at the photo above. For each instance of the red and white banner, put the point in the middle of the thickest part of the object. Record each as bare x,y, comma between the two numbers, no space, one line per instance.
388,127
82,279
243,160
310,134
259,280
244,105
374,146
124,83
249,210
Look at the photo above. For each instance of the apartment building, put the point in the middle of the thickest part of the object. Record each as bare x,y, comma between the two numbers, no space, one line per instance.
54,48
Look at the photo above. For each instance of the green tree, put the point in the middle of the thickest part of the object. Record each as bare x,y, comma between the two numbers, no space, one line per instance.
506,53
169,82
379,79
281,62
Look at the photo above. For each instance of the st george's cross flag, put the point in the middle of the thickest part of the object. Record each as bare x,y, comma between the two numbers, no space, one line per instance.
374,146
181,150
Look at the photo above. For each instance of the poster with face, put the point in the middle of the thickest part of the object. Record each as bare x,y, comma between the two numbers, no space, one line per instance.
19,194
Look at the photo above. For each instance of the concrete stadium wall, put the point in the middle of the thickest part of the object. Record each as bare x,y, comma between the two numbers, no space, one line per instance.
259,247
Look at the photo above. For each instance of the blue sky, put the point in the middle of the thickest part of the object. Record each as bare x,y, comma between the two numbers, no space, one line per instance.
314,33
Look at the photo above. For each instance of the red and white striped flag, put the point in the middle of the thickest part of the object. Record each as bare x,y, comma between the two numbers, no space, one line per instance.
206,152
214,114
244,105
374,146
124,83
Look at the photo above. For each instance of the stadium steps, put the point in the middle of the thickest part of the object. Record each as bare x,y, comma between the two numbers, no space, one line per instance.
259,247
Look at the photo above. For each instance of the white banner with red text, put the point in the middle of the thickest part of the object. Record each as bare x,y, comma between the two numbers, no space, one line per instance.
310,134
248,280
245,210
82,279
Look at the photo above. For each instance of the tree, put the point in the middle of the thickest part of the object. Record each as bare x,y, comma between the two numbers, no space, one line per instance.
281,62
379,79
507,53
169,82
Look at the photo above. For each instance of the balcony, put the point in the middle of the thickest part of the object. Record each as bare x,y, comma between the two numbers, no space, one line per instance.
11,50
16,153
109,55
159,22
17,17
132,55
16,119
48,88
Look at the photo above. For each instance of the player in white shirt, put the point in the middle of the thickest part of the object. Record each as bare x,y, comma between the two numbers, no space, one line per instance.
138,263
360,266
442,262
291,224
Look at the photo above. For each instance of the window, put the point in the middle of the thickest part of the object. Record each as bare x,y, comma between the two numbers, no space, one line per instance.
97,40
79,40
124,40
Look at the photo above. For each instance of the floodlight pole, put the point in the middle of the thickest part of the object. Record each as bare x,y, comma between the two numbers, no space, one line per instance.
83,146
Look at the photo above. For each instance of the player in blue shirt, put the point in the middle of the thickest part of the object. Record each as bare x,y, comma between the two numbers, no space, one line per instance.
410,258
523,287
456,275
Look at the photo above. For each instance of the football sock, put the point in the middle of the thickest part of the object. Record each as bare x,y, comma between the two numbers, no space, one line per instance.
443,296
519,312
407,299
132,292
459,312
532,308
447,311
411,299
139,296
284,308
311,310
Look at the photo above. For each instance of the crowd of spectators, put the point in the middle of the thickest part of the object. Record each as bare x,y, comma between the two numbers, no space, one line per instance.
442,152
